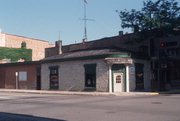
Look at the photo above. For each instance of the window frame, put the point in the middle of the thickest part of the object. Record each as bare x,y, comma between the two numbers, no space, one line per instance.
90,74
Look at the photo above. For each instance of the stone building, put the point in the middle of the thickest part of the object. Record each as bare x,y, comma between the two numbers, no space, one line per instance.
14,41
107,65
106,70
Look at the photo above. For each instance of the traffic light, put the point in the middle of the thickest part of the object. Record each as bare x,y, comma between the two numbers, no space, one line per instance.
162,44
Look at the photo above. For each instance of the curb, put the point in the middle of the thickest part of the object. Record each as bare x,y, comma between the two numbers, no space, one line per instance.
155,93
78,93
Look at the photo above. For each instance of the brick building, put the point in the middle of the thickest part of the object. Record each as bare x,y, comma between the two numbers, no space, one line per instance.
14,41
128,42
24,75
165,62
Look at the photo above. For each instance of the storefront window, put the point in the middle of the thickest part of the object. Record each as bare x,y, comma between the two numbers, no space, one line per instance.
90,75
54,81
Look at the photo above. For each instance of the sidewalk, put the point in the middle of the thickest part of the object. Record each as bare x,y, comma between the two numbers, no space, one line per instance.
78,93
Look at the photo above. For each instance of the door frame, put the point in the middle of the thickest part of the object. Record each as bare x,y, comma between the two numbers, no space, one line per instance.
120,84
120,69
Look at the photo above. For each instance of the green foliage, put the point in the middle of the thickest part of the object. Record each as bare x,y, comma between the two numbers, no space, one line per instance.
23,45
15,54
159,14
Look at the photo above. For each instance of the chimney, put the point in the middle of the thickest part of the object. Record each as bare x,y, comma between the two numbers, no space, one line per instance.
58,47
84,40
120,33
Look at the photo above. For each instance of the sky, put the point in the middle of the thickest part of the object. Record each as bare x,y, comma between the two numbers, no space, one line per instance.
52,20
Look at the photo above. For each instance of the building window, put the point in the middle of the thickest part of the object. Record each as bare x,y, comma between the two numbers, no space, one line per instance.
90,76
54,77
23,76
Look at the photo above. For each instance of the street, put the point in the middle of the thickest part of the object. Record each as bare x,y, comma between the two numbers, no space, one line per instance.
51,107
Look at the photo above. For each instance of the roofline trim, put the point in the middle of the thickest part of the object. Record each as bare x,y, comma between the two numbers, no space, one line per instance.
20,63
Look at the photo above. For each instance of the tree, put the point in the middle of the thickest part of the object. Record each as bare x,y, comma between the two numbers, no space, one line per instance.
155,15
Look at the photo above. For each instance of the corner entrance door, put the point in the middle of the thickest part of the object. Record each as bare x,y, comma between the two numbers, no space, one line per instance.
118,82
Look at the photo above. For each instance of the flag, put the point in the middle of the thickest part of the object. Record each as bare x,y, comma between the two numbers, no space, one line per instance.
85,2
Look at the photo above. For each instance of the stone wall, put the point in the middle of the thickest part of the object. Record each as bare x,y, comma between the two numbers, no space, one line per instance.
14,41
72,75
2,77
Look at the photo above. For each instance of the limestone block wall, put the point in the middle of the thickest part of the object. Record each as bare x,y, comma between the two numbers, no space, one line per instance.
45,76
37,46
102,77
72,75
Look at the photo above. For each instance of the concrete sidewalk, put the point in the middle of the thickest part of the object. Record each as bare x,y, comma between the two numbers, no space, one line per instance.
78,93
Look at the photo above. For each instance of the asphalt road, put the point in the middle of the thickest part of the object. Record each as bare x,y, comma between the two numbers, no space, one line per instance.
44,107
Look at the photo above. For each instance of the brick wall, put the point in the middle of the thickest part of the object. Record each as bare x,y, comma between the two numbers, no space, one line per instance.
37,46
125,43
2,39
2,77
7,74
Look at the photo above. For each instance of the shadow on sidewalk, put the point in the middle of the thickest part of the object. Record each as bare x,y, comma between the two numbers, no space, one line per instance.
171,92
22,117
